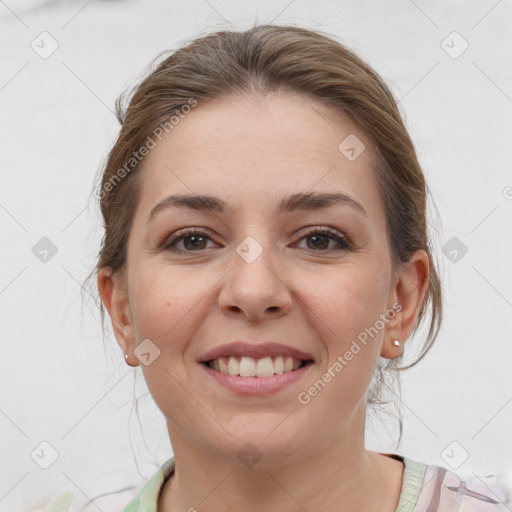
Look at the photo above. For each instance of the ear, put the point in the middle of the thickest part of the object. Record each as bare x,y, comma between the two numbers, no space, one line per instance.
409,289
114,295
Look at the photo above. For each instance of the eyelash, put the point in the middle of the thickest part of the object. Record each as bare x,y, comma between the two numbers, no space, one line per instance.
170,243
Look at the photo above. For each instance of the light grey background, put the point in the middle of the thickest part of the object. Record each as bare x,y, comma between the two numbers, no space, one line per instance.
58,383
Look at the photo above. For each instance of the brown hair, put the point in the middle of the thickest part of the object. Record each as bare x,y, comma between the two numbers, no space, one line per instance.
263,59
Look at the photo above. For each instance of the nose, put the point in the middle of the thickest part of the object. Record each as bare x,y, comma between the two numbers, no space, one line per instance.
254,287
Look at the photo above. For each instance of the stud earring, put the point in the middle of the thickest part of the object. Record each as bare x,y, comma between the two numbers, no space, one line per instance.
126,356
396,343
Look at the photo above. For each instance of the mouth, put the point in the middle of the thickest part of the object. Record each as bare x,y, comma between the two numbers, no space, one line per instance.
265,367
255,378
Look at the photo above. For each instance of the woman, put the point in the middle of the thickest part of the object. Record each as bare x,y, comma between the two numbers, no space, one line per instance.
265,261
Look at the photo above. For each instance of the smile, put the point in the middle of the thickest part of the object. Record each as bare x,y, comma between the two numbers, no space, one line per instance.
251,367
259,381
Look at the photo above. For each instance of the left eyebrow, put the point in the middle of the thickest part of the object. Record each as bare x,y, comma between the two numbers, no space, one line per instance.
299,201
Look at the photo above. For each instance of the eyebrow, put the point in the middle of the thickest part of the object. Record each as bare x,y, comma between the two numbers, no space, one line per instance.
299,201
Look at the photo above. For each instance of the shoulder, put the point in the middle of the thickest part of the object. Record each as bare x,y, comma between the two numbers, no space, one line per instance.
437,488
60,503
68,502
143,496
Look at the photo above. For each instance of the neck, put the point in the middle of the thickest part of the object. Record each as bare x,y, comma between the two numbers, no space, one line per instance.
355,480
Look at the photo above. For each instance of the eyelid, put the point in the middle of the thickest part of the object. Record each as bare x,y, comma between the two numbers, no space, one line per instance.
339,236
183,233
344,242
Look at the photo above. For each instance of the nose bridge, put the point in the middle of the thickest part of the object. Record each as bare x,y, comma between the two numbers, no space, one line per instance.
254,260
254,285
250,250
256,230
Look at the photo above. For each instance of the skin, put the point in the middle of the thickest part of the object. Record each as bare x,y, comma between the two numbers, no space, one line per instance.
251,151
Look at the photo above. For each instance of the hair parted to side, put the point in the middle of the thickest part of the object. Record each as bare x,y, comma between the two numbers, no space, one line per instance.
264,59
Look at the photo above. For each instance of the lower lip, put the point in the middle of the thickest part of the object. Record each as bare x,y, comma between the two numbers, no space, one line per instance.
257,385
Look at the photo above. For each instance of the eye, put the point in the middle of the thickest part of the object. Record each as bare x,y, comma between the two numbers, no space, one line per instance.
194,240
322,237
194,235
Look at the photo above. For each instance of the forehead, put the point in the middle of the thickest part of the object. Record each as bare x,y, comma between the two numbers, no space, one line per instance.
257,149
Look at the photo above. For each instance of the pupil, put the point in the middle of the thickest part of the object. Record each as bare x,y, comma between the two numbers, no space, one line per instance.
196,238
313,237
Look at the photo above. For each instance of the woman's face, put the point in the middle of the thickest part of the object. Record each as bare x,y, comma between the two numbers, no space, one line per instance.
254,273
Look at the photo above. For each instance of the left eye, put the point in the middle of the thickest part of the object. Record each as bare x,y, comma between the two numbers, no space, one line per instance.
328,234
196,238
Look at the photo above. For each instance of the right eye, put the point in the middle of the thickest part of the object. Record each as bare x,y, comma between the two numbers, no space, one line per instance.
184,235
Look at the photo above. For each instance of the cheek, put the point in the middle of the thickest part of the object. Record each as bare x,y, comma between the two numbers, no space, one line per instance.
163,302
347,300
167,307
342,311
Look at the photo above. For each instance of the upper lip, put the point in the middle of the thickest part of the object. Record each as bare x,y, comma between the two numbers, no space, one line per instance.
257,351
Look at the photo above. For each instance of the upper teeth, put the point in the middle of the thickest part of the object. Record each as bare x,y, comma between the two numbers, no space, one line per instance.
250,367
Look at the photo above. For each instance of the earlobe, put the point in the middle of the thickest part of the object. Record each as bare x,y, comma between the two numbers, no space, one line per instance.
409,292
114,295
